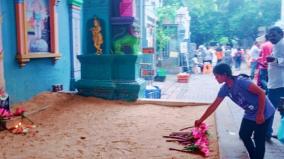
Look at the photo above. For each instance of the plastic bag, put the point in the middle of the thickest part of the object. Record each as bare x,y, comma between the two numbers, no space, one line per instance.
280,134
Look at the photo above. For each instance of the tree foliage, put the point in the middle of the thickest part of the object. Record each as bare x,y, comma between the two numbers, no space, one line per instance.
166,15
234,19
216,20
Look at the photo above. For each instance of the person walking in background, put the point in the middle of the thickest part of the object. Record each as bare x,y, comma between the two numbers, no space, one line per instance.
197,66
228,57
254,55
212,51
275,71
258,109
266,50
238,59
208,57
219,54
205,54
201,53
247,57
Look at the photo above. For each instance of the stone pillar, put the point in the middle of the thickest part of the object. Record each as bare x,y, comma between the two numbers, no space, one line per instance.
75,32
109,75
2,82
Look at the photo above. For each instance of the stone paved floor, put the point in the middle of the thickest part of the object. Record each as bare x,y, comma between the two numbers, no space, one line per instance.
204,88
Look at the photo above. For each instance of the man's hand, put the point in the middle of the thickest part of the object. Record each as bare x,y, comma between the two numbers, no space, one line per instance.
270,59
197,123
260,119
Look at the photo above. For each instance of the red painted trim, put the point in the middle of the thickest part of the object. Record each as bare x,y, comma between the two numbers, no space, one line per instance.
53,27
23,54
20,28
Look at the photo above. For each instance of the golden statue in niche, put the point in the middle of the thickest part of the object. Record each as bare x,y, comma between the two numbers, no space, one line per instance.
97,36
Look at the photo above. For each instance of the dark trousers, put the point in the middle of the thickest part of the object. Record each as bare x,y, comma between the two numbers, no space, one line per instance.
253,67
255,146
238,62
263,78
274,96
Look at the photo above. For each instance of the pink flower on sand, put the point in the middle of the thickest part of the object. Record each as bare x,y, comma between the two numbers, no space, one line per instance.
203,127
205,151
196,133
19,111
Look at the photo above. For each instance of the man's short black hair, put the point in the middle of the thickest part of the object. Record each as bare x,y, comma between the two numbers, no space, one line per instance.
276,29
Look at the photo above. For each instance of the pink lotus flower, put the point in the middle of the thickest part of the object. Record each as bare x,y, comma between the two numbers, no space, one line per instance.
196,133
203,128
198,142
205,151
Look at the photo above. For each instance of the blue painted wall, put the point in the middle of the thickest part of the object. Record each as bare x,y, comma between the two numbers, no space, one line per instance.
102,10
39,74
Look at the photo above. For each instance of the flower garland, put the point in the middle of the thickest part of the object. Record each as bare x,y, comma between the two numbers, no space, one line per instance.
194,141
5,114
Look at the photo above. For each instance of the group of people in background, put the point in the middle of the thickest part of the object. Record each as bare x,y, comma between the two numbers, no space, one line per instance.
219,54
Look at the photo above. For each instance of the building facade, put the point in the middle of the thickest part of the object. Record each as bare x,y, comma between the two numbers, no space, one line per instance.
41,40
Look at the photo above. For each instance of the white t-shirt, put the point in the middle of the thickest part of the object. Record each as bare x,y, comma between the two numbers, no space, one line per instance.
276,68
254,53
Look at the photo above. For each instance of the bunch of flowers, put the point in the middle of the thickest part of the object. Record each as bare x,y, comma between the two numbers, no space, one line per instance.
6,115
194,141
200,140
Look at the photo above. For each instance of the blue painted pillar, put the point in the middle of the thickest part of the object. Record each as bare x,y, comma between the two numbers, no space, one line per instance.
75,32
142,24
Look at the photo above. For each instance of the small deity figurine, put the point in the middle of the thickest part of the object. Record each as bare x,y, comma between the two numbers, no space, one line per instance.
97,36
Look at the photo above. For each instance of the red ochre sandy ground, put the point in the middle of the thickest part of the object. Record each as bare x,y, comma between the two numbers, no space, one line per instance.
74,127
